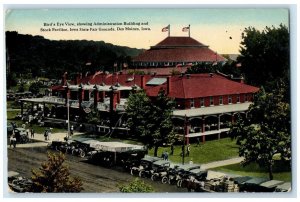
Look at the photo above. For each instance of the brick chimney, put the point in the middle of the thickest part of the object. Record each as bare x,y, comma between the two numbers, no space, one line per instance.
169,85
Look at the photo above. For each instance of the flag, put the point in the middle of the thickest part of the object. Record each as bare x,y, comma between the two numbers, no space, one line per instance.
125,65
185,29
215,63
165,29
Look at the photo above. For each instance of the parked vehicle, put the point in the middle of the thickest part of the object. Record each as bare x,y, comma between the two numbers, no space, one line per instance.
160,169
18,183
193,179
145,167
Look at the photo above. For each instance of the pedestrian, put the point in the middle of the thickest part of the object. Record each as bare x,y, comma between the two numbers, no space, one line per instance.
49,134
172,149
198,141
46,134
32,133
166,156
14,141
191,161
72,129
188,149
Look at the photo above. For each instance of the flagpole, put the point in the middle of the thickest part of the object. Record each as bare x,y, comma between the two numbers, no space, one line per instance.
189,30
169,30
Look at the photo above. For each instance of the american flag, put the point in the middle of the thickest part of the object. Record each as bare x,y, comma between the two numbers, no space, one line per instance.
185,29
165,29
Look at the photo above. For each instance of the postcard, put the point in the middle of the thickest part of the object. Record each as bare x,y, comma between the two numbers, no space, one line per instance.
148,100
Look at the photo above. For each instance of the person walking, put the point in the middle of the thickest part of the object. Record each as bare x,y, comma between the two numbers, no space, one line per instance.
32,133
188,149
198,141
72,130
166,156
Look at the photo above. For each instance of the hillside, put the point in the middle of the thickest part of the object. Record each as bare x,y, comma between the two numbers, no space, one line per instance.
37,56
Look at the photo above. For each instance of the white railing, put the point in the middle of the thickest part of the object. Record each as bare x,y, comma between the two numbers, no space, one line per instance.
54,99
102,106
74,103
121,107
87,103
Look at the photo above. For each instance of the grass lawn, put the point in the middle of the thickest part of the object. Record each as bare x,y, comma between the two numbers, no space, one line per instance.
213,150
281,171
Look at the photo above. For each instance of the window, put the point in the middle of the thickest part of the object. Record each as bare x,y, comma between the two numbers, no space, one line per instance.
238,98
211,100
229,99
201,102
192,103
220,100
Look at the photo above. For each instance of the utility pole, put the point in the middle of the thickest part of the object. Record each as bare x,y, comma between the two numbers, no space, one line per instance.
183,141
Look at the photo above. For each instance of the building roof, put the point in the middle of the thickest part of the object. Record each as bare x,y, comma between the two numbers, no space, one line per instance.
179,49
181,87
202,85
178,41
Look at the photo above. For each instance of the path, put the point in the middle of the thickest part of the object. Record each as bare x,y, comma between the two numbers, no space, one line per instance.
226,162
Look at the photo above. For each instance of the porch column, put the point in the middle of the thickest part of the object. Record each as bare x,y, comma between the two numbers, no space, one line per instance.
80,96
203,129
187,127
95,98
219,126
44,111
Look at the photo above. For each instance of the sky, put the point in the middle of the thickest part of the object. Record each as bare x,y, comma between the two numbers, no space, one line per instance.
220,29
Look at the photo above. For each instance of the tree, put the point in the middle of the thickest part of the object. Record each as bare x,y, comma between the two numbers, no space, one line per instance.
21,88
35,88
150,122
162,117
266,131
265,55
136,186
53,176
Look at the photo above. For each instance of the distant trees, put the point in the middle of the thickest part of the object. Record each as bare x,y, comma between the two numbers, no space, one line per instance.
265,55
150,122
136,186
43,57
54,177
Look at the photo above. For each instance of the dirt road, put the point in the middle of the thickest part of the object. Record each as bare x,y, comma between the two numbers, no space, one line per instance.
96,179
